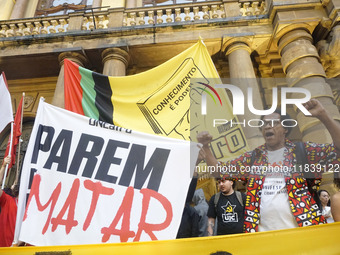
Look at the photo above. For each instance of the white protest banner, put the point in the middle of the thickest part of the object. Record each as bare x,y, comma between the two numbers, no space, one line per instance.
5,104
97,183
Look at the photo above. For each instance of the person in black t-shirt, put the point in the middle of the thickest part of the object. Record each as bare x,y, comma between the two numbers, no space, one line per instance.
227,208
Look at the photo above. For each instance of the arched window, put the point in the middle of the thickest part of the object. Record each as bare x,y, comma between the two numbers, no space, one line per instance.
60,7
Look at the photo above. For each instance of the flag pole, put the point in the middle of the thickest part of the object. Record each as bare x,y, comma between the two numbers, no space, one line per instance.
20,141
9,153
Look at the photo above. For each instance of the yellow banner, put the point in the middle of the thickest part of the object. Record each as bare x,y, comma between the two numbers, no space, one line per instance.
158,100
176,99
321,239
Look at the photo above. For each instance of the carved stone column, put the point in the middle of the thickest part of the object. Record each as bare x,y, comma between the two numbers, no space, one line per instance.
19,9
242,75
301,63
115,61
58,98
6,9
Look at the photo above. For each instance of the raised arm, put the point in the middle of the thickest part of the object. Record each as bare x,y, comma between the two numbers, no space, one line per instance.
317,110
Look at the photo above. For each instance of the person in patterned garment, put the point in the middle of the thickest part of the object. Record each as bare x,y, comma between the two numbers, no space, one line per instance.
277,195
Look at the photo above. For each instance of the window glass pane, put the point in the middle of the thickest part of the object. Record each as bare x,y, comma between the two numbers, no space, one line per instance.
48,7
62,12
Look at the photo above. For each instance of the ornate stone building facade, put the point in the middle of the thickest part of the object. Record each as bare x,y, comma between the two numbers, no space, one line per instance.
260,44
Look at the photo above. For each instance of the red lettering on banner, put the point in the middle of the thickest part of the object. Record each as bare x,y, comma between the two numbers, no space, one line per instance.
70,204
147,227
124,211
35,192
123,214
97,189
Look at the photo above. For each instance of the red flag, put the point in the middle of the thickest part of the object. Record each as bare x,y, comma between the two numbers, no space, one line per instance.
16,134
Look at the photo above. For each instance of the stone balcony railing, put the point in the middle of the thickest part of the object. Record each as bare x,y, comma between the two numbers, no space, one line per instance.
120,17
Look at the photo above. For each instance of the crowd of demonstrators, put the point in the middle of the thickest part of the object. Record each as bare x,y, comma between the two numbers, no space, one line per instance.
226,208
8,205
268,205
335,199
325,205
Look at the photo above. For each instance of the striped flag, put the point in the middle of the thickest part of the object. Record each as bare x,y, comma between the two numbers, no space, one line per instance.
87,93
6,111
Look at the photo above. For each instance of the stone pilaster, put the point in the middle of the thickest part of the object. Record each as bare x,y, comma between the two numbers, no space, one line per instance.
96,3
301,63
6,9
231,8
115,61
19,9
59,98
242,75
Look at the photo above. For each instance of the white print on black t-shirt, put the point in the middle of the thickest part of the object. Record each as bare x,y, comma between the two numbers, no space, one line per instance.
229,215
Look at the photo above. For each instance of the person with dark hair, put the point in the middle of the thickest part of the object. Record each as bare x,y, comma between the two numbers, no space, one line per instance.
221,253
189,226
335,199
285,119
8,214
325,202
278,194
227,206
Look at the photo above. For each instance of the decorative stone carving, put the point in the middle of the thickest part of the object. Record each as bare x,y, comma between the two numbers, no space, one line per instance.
330,53
28,101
